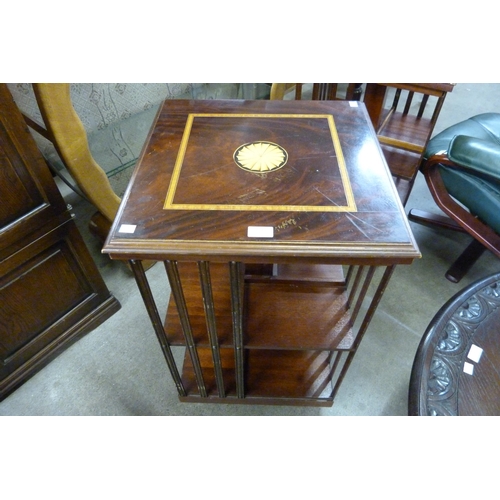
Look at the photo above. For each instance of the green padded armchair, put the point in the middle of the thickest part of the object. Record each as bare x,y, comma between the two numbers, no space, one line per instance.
462,169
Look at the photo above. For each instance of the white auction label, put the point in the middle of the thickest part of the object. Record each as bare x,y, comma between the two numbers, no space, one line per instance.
475,353
127,228
260,232
469,368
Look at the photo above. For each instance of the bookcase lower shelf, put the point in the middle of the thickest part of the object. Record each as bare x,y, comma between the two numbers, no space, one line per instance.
271,377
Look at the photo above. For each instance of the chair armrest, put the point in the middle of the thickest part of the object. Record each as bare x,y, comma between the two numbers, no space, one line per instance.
476,156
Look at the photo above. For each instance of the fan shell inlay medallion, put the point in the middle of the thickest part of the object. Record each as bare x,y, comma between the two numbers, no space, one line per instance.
260,157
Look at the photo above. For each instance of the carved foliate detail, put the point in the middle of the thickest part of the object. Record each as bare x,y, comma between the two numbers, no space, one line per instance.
453,344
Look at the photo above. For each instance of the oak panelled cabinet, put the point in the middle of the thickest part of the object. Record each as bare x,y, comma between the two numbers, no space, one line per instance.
51,292
279,227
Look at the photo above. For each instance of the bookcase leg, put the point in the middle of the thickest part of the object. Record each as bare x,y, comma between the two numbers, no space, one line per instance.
382,285
149,302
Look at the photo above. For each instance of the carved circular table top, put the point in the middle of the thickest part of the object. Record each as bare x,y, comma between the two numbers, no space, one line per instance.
457,365
260,156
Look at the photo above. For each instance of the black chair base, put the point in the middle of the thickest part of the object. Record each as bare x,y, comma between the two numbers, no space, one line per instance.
466,259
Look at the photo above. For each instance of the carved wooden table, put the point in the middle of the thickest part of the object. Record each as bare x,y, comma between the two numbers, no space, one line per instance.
456,366
256,209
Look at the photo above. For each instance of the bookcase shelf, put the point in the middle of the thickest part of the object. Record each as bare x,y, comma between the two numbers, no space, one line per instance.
293,319
271,377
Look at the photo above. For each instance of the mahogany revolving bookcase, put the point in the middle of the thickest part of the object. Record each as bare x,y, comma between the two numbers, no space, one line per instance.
279,227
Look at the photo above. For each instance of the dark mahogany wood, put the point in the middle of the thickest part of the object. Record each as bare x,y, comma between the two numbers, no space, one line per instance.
320,91
328,91
273,377
51,292
267,307
267,320
377,225
444,379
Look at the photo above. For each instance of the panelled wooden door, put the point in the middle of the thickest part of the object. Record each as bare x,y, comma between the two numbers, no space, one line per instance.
51,292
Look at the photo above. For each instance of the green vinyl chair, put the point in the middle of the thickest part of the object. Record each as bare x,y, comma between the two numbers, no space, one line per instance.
461,166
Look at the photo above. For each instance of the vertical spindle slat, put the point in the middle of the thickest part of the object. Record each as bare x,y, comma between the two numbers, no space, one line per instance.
423,104
332,91
208,304
236,270
409,99
362,293
355,285
395,102
298,91
176,287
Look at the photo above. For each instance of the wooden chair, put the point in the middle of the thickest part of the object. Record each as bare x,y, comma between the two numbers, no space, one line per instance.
462,169
320,91
404,116
65,130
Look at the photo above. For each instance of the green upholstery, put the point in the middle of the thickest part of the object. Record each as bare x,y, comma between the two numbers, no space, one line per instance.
477,156
474,180
485,126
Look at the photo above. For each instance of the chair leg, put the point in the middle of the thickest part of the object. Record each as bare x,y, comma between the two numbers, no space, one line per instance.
99,226
433,220
466,260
